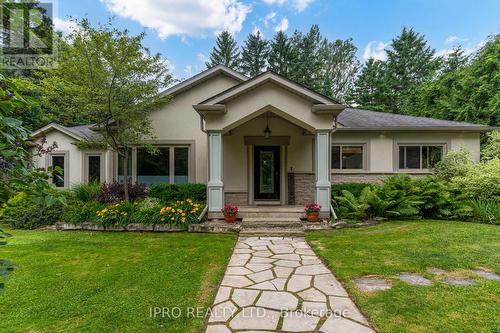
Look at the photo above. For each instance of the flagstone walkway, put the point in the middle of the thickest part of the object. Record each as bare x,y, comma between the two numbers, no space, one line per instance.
278,284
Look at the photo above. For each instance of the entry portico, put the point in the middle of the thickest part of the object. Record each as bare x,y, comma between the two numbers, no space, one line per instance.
259,131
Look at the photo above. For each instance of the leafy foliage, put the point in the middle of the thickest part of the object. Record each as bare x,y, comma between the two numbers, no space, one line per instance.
280,56
481,181
86,192
454,163
491,149
24,211
354,188
5,265
115,192
486,211
168,193
404,197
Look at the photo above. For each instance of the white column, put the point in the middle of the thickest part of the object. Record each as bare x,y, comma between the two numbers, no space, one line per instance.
215,186
322,169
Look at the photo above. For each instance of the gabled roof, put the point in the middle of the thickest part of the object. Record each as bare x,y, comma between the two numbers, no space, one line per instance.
203,76
266,77
76,132
352,119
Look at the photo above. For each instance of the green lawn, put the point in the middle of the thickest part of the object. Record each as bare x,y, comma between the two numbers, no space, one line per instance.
393,247
107,282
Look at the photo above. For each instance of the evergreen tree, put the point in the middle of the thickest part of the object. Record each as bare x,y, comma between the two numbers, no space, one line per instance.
254,55
410,62
339,67
306,64
225,52
371,89
455,60
280,54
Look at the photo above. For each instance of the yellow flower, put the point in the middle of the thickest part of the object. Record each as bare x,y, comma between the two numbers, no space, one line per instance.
162,219
183,214
183,219
173,219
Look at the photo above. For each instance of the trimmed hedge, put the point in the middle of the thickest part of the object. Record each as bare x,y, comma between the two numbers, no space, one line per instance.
175,192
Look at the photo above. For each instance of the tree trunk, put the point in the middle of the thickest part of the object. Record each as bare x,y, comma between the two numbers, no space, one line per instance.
125,175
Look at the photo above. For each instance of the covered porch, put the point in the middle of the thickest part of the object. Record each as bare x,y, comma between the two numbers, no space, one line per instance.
268,145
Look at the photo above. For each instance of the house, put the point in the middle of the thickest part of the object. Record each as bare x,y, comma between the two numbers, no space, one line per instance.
264,140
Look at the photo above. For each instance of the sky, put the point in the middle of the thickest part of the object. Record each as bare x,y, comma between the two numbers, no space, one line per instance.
184,31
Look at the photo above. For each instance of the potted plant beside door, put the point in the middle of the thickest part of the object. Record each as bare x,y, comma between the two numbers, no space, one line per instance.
312,212
230,212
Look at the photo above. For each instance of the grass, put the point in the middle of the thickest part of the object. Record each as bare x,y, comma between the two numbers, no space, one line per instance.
411,246
108,282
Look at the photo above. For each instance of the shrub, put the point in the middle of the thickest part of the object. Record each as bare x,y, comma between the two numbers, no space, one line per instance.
485,211
491,148
481,181
86,192
24,211
404,197
77,212
455,163
354,188
114,192
115,214
177,192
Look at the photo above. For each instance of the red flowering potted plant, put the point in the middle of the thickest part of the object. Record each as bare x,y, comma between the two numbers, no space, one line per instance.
312,212
230,212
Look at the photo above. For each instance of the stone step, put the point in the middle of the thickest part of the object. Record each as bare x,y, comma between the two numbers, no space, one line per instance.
263,215
271,219
254,225
272,232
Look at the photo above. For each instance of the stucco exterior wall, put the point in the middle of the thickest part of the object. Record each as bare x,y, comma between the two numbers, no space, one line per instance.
299,153
285,104
64,145
381,147
178,121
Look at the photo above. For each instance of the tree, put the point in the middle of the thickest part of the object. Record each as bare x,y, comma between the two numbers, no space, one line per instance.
467,91
280,56
110,78
370,89
491,148
339,68
254,55
306,63
225,52
410,62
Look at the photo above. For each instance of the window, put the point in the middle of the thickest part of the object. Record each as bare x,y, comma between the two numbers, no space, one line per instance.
58,164
153,168
93,167
169,164
347,157
121,164
419,156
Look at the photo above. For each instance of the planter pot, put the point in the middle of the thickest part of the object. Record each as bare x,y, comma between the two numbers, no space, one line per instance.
312,217
230,219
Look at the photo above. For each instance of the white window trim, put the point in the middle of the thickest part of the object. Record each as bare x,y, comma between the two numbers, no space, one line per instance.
191,175
48,163
364,146
86,165
424,170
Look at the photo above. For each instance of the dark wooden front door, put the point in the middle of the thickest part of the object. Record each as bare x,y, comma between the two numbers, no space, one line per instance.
267,172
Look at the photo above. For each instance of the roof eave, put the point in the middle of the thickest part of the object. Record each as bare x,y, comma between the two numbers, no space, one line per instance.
208,109
53,126
330,109
434,128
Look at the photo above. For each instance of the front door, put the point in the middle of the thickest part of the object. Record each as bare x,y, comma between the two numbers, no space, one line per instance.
267,172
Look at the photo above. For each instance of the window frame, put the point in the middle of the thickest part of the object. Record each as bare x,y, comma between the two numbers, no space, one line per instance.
171,146
420,145
48,164
364,151
86,156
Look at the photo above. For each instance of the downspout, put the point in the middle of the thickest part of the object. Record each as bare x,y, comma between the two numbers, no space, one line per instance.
332,211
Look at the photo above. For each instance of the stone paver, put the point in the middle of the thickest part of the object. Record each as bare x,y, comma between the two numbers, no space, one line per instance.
415,279
487,275
371,283
278,284
459,281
